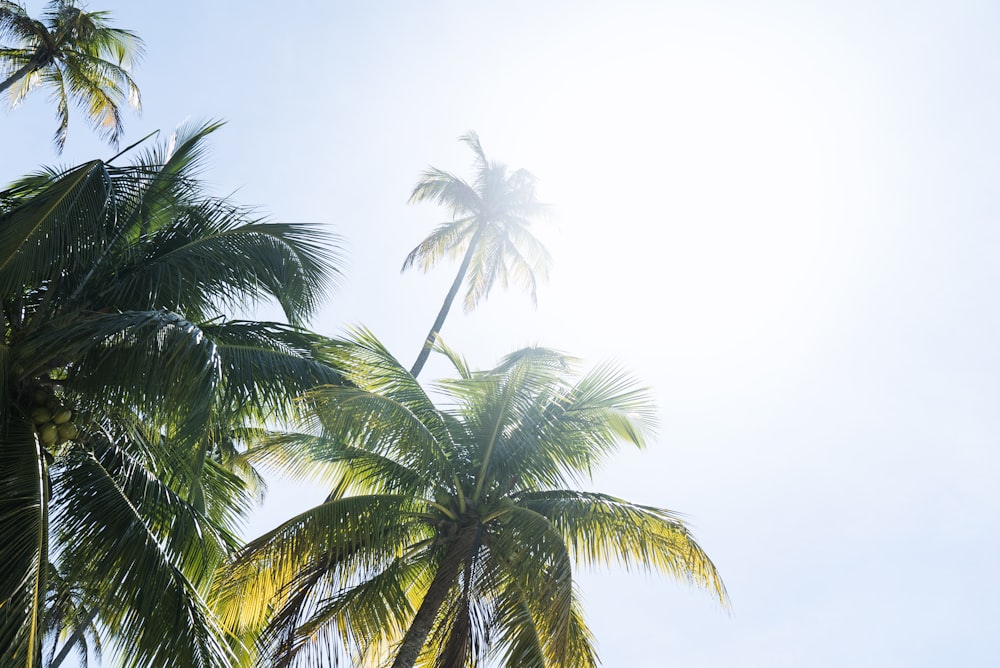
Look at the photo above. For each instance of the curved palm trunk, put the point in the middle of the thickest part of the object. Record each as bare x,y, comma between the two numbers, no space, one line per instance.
449,298
444,578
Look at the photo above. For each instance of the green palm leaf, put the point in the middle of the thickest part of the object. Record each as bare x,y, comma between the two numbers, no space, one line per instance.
602,529
142,578
56,230
341,536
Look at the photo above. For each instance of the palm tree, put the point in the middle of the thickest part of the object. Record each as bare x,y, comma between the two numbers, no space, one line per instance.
490,230
450,532
126,397
78,56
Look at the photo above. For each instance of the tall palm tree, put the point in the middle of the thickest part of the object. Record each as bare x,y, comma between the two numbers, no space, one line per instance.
490,225
126,396
450,533
78,56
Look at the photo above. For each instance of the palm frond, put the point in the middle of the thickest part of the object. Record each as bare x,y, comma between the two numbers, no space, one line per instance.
15,24
447,190
448,240
120,46
171,172
348,470
460,364
58,92
265,365
190,540
358,533
356,620
526,260
100,88
383,426
539,576
370,367
213,255
57,229
69,621
564,430
150,358
602,529
484,270
143,585
518,640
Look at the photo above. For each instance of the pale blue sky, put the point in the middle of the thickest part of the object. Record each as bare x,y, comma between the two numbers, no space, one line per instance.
781,215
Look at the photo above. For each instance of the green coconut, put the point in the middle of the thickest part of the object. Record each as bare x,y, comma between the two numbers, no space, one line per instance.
63,415
40,415
48,433
68,431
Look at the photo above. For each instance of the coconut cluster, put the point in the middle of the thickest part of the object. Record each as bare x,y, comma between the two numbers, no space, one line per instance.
53,421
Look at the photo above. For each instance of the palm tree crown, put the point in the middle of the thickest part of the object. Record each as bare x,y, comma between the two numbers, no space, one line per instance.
451,530
78,56
489,231
125,395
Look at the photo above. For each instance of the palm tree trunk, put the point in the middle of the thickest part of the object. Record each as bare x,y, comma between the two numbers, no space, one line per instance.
37,61
444,578
19,74
74,639
449,298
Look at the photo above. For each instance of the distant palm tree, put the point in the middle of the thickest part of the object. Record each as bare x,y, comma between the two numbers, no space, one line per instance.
78,56
491,217
125,394
450,532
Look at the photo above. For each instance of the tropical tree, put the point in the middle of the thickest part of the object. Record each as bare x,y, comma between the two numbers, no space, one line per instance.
451,530
78,56
127,395
491,217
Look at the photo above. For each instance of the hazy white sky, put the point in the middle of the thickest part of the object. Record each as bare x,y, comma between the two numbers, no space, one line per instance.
782,215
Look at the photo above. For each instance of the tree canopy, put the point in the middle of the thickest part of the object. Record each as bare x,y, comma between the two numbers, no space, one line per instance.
489,230
127,395
78,56
452,528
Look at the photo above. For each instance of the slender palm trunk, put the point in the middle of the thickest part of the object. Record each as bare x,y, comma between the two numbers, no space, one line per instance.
17,75
444,578
38,595
449,298
37,61
73,639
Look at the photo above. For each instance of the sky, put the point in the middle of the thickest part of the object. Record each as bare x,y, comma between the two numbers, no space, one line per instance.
781,216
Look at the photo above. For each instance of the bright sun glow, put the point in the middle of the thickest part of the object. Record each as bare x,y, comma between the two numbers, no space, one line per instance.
696,196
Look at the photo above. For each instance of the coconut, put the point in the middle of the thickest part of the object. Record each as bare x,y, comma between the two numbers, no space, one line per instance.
40,415
48,433
62,415
68,431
